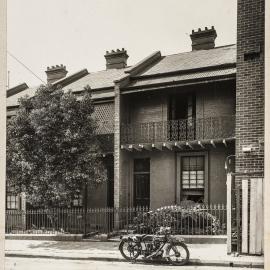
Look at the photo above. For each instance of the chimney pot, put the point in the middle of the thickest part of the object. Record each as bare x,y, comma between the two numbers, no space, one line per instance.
55,73
116,59
203,39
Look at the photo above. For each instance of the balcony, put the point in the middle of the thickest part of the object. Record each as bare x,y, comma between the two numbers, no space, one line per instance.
183,130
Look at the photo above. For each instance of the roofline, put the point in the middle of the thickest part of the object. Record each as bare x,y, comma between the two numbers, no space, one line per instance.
16,89
71,78
186,71
94,90
158,86
155,56
140,66
218,47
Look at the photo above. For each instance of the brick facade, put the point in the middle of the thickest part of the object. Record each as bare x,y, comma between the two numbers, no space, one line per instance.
250,86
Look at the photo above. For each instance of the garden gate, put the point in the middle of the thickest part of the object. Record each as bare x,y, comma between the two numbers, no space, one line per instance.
244,214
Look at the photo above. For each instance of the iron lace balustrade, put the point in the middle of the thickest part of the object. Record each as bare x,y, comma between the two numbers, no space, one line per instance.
179,130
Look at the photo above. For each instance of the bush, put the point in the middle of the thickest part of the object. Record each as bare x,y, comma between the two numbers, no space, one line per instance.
192,219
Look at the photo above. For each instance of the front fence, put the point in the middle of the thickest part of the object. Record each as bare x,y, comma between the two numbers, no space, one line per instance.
188,220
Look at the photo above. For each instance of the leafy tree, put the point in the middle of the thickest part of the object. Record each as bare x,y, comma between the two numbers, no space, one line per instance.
52,147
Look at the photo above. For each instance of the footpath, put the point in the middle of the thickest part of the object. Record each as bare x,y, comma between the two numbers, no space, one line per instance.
200,254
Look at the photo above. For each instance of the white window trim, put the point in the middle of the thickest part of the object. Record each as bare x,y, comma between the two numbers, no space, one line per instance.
178,174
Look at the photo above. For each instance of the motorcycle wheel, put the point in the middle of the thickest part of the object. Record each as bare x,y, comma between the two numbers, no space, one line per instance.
130,250
178,254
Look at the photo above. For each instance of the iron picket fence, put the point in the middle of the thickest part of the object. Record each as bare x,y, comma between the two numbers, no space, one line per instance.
196,219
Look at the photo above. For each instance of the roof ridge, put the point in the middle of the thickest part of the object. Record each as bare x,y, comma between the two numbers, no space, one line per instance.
17,89
104,70
223,46
71,78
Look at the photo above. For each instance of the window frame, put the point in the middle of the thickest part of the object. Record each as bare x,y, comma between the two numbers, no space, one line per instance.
179,190
190,173
9,202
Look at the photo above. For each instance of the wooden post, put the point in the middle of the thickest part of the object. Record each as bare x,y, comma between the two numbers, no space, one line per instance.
244,216
23,209
229,213
238,218
259,216
3,91
252,226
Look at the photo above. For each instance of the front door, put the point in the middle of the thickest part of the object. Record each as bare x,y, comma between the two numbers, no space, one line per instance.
142,182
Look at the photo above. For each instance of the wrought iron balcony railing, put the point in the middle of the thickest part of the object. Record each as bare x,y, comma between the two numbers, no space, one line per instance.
179,130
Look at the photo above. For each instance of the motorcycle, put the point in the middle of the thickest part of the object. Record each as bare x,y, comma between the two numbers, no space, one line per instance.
161,245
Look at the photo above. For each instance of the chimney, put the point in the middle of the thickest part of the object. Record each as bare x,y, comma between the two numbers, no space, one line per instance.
116,59
55,73
203,39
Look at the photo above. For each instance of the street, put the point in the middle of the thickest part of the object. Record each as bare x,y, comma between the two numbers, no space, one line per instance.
42,264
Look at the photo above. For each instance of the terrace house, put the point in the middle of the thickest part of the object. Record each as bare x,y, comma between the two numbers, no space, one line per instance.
167,123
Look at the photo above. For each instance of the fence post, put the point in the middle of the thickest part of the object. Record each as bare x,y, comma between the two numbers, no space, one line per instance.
238,218
85,207
23,209
229,213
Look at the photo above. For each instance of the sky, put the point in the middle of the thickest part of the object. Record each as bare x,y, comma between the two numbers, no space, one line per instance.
77,33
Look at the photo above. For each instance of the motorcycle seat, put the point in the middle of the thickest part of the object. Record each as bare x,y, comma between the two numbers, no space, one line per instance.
140,236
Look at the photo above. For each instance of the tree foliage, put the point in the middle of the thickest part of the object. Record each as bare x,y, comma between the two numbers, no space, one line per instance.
52,147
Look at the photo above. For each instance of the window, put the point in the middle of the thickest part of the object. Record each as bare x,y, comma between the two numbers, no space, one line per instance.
193,177
77,201
142,182
12,201
193,172
12,198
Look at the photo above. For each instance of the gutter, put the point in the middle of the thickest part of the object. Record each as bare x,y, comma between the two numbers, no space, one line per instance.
175,84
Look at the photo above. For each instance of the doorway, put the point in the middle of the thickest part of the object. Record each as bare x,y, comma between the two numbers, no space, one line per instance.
142,182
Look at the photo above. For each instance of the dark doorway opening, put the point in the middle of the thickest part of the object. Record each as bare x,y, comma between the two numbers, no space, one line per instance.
142,182
182,113
110,183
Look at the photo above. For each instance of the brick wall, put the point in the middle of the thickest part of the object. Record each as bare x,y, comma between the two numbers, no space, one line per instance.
148,107
250,85
217,99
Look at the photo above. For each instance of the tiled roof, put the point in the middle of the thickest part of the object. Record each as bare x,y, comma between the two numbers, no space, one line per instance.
181,63
97,80
148,81
193,60
13,100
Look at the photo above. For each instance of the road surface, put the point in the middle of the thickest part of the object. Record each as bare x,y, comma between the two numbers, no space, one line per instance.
13,263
